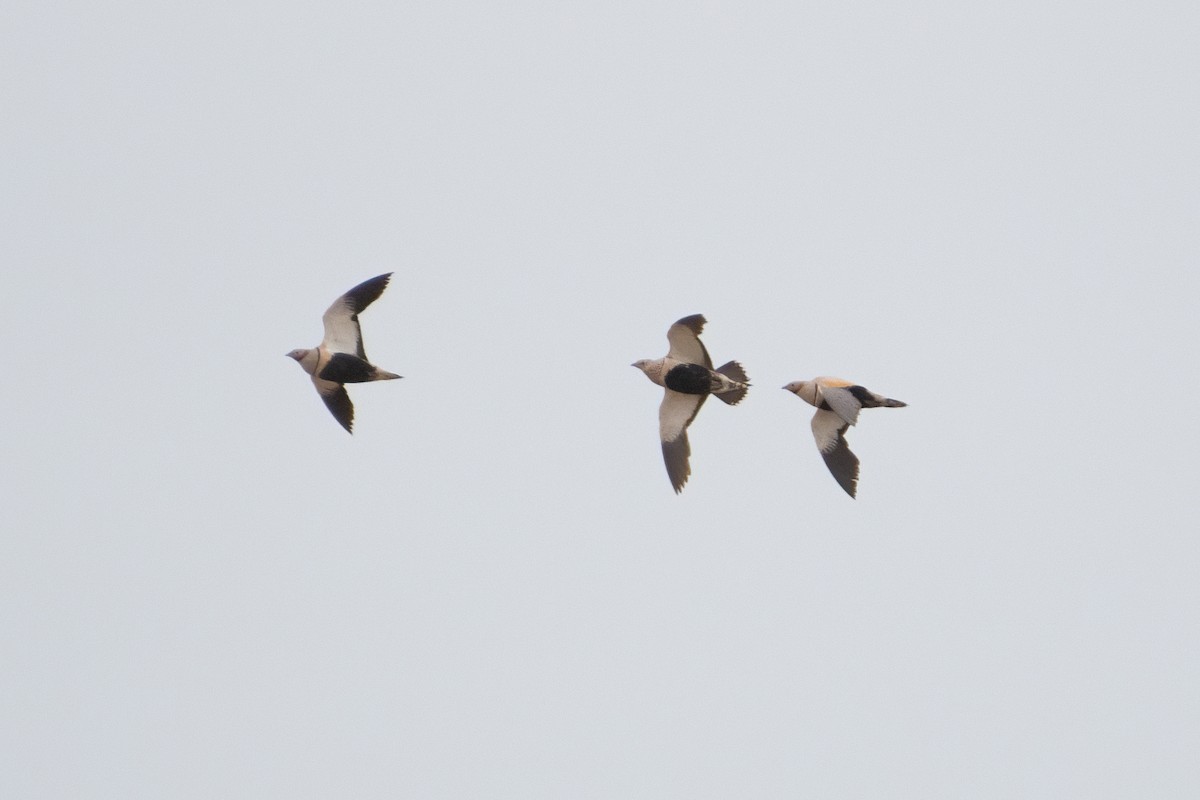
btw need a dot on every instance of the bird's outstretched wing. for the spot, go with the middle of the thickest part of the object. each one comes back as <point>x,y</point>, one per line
<point>829,430</point>
<point>674,416</point>
<point>342,331</point>
<point>686,346</point>
<point>337,400</point>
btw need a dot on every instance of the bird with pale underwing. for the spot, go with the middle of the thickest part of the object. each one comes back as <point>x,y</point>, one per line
<point>687,376</point>
<point>340,358</point>
<point>838,402</point>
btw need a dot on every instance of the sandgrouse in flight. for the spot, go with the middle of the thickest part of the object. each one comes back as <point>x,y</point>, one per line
<point>686,374</point>
<point>838,403</point>
<point>340,358</point>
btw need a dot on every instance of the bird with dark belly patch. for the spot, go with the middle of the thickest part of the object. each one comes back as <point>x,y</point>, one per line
<point>687,376</point>
<point>689,379</point>
<point>340,357</point>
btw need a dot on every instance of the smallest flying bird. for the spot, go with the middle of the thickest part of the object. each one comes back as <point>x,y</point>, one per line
<point>340,358</point>
<point>687,376</point>
<point>838,403</point>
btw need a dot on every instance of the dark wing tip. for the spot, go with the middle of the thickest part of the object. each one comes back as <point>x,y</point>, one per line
<point>366,292</point>
<point>338,403</point>
<point>676,455</point>
<point>694,323</point>
<point>843,464</point>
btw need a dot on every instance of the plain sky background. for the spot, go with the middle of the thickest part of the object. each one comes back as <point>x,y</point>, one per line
<point>490,591</point>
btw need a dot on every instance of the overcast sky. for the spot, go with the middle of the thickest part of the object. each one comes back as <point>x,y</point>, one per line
<point>988,211</point>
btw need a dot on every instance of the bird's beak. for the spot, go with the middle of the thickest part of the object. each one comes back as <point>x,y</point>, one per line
<point>634,365</point>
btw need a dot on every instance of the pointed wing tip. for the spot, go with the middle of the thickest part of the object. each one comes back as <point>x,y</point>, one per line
<point>693,322</point>
<point>365,293</point>
<point>337,400</point>
<point>677,458</point>
<point>829,433</point>
<point>843,466</point>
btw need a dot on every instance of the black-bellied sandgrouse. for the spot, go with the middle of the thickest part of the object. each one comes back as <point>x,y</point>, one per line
<point>686,374</point>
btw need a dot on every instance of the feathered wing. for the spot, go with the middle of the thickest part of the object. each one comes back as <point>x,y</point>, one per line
<point>686,346</point>
<point>342,331</point>
<point>337,400</point>
<point>674,416</point>
<point>829,430</point>
<point>843,402</point>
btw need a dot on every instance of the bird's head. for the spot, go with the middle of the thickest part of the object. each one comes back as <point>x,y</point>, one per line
<point>805,390</point>
<point>652,367</point>
<point>298,354</point>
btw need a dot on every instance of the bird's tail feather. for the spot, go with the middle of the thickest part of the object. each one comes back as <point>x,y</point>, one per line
<point>735,372</point>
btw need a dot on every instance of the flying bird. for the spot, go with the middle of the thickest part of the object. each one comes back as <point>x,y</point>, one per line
<point>838,403</point>
<point>340,358</point>
<point>686,374</point>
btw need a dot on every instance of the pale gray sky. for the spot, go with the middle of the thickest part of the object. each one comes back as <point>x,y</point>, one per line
<point>490,591</point>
